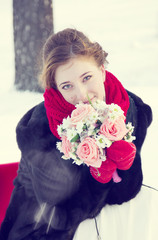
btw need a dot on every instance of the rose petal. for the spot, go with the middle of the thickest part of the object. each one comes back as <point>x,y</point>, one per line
<point>114,131</point>
<point>88,152</point>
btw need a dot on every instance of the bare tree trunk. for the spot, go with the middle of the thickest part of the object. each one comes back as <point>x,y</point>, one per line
<point>33,23</point>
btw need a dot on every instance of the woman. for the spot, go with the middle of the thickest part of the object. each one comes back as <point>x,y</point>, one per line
<point>52,196</point>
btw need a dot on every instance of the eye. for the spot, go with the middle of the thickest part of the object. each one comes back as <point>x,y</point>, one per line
<point>87,78</point>
<point>67,86</point>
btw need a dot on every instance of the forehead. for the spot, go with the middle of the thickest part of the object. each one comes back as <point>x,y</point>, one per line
<point>75,67</point>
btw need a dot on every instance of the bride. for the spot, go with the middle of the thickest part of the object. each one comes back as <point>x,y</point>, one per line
<point>103,198</point>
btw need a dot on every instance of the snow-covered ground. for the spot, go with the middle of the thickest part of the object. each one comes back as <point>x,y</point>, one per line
<point>127,30</point>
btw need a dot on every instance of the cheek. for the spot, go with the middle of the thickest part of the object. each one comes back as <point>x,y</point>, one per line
<point>69,98</point>
<point>101,90</point>
<point>102,78</point>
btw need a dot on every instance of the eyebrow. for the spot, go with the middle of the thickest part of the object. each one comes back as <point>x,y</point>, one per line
<point>63,83</point>
<point>82,75</point>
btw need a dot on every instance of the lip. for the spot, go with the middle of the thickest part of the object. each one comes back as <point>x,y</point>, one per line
<point>93,99</point>
<point>87,102</point>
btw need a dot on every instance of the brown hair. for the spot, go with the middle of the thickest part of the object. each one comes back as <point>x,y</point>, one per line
<point>61,47</point>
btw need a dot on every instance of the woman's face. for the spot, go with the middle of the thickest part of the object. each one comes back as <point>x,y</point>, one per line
<point>81,77</point>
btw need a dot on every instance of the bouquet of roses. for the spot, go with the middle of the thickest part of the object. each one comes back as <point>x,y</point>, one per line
<point>96,135</point>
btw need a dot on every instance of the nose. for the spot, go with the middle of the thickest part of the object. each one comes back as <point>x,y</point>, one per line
<point>81,93</point>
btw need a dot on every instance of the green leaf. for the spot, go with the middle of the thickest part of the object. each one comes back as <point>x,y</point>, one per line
<point>90,101</point>
<point>74,139</point>
<point>85,127</point>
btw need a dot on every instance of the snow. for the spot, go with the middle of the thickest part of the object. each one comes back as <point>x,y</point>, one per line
<point>127,30</point>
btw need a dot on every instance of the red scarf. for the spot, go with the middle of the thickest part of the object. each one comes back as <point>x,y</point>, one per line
<point>57,108</point>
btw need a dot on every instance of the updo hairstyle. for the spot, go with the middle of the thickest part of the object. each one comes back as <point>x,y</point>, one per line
<point>63,46</point>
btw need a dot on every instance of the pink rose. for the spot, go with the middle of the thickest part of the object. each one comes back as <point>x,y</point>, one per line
<point>115,130</point>
<point>66,146</point>
<point>88,152</point>
<point>81,112</point>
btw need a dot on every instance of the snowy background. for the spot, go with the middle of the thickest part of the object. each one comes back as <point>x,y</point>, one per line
<point>127,30</point>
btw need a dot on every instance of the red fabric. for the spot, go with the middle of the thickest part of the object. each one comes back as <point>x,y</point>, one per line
<point>115,92</point>
<point>7,174</point>
<point>105,172</point>
<point>120,155</point>
<point>58,108</point>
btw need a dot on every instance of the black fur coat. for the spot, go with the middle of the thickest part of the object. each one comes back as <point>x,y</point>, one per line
<point>51,195</point>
